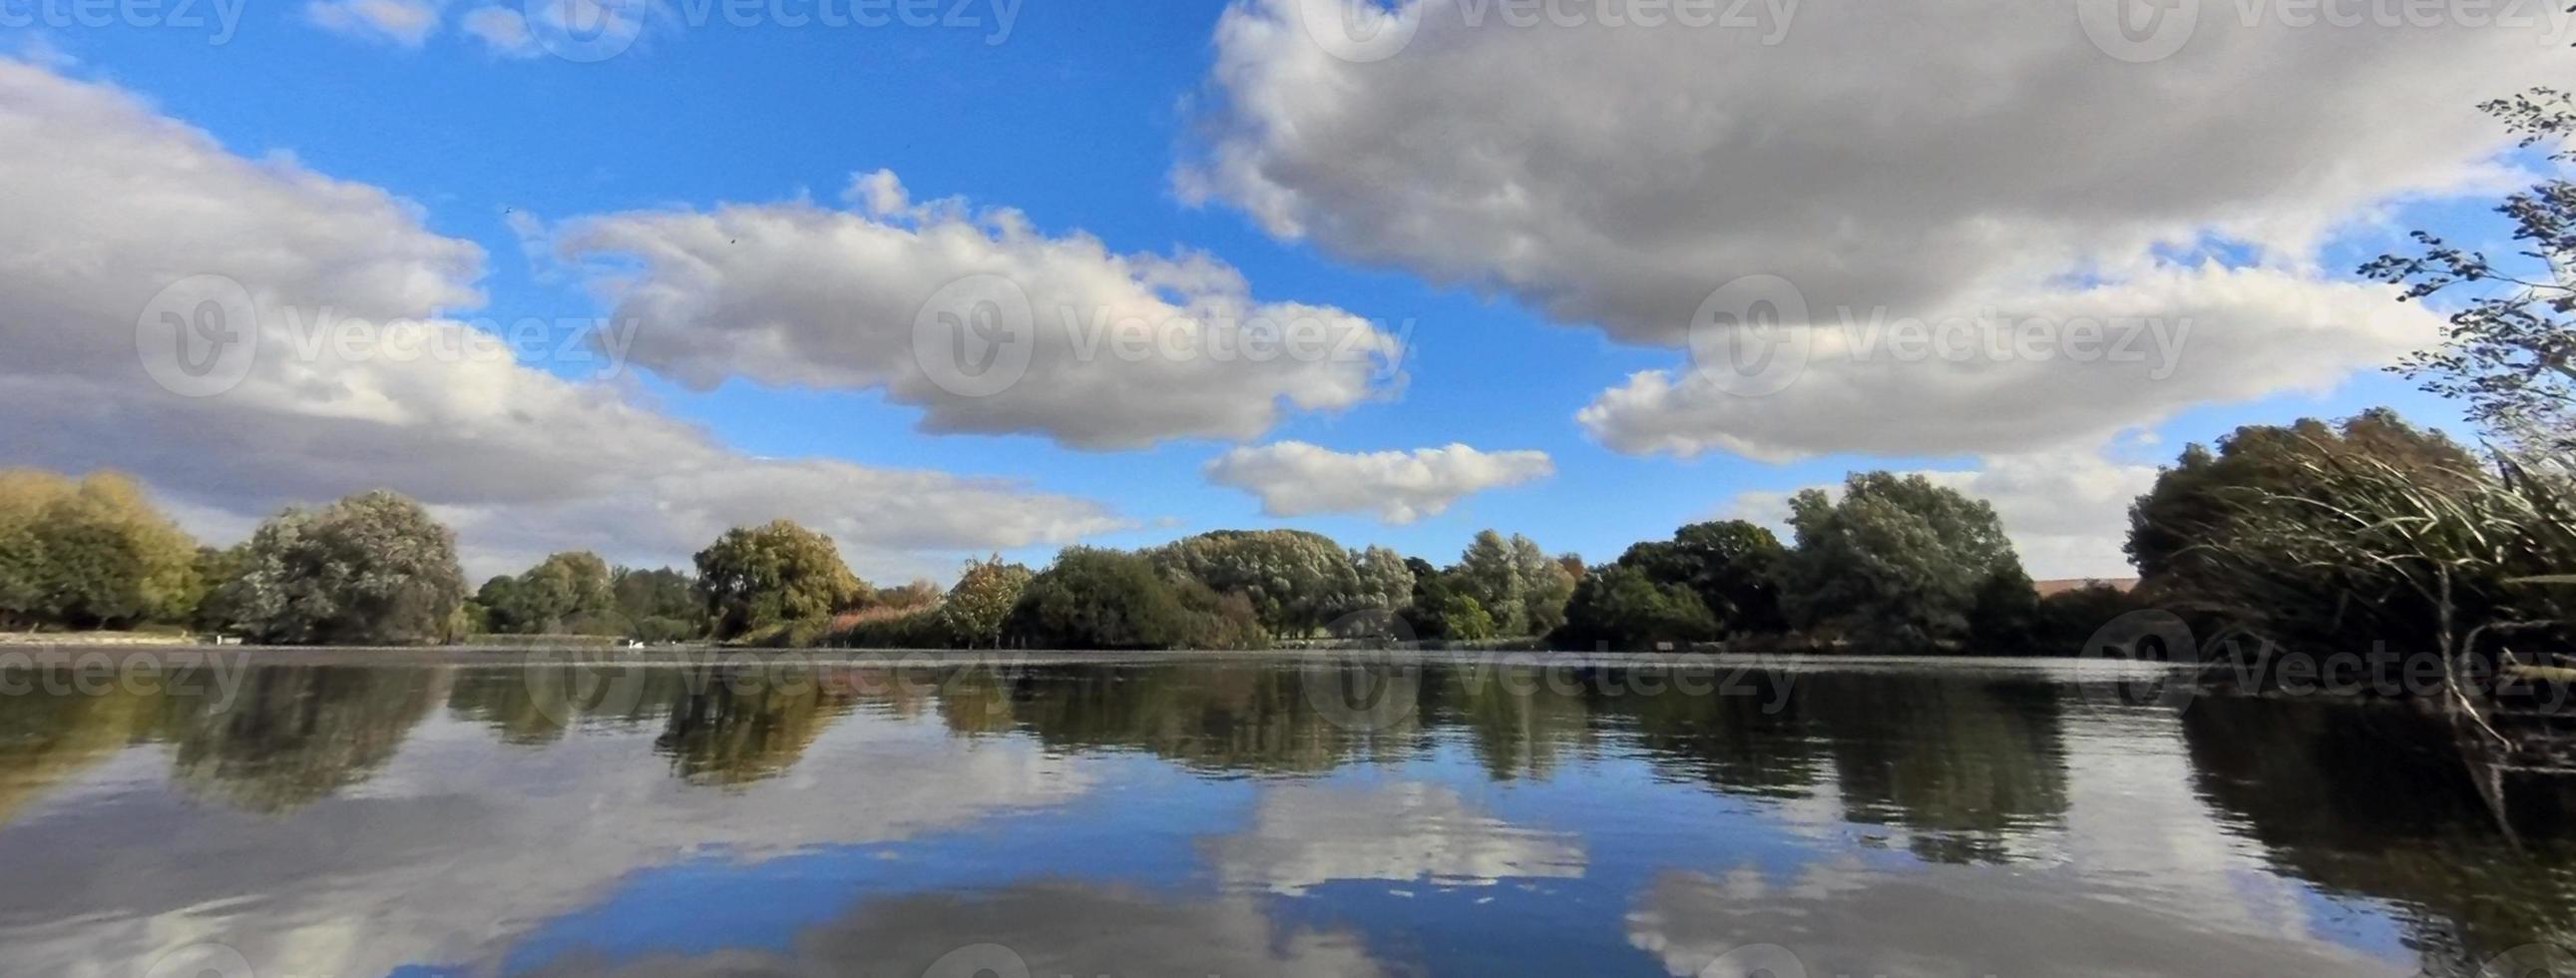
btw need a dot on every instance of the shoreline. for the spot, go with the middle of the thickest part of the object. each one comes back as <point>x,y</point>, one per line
<point>694,656</point>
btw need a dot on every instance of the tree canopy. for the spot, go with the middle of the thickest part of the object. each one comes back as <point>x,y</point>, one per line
<point>1896,562</point>
<point>371,569</point>
<point>775,574</point>
<point>1731,565</point>
<point>2510,354</point>
<point>90,553</point>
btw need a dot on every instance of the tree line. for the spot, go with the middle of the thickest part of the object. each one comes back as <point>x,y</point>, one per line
<point>1895,562</point>
<point>2314,534</point>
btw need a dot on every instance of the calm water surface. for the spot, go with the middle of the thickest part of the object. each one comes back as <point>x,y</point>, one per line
<point>1248,817</point>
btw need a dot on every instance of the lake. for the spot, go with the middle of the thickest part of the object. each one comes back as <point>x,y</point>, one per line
<point>1246,815</point>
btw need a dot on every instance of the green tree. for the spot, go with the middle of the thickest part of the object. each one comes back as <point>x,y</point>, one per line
<point>1896,563</point>
<point>2168,526</point>
<point>981,602</point>
<point>758,577</point>
<point>1385,581</point>
<point>91,553</point>
<point>1490,572</point>
<point>659,605</point>
<point>500,608</point>
<point>2365,538</point>
<point>1545,587</point>
<point>1092,598</point>
<point>2005,618</point>
<point>214,566</point>
<point>1463,619</point>
<point>1621,607</point>
<point>1732,565</point>
<point>1296,581</point>
<point>371,569</point>
<point>568,593</point>
<point>2511,350</point>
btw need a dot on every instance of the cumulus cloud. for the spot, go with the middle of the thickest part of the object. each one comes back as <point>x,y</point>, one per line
<point>114,216</point>
<point>984,323</point>
<point>2033,372</point>
<point>1294,478</point>
<point>1956,160</point>
<point>2067,511</point>
<point>405,22</point>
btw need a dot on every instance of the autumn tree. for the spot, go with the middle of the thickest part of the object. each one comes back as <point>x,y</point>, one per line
<point>90,553</point>
<point>981,602</point>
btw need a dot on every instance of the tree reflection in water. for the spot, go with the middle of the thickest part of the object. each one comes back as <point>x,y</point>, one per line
<point>1958,766</point>
<point>2375,802</point>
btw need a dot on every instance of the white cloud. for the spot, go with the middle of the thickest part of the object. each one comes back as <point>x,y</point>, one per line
<point>2025,373</point>
<point>1845,918</point>
<point>2067,512</point>
<point>503,30</point>
<point>1294,478</point>
<point>1304,836</point>
<point>1928,160</point>
<point>405,22</point>
<point>985,324</point>
<point>103,203</point>
<point>430,861</point>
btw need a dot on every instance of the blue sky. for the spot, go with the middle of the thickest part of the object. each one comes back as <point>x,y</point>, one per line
<point>1078,119</point>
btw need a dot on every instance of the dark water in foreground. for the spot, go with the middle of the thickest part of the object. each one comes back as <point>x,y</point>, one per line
<point>1247,818</point>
